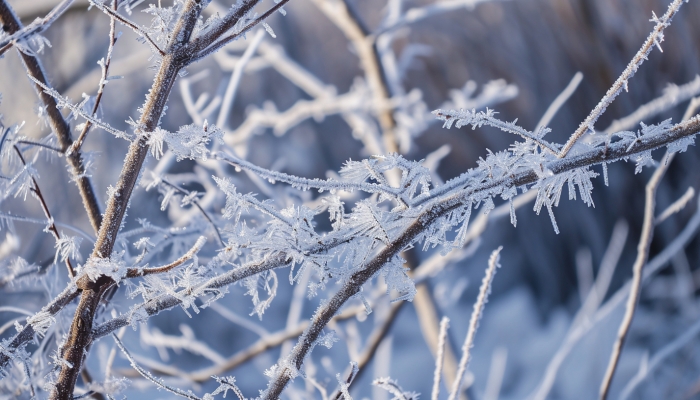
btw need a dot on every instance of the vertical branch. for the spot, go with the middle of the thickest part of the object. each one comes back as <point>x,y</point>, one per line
<point>481,300</point>
<point>79,334</point>
<point>59,125</point>
<point>642,257</point>
<point>349,23</point>
<point>103,81</point>
<point>444,324</point>
<point>45,208</point>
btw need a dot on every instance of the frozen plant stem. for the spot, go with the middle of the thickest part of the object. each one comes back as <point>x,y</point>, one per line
<point>58,124</point>
<point>79,333</point>
<point>444,324</point>
<point>481,300</point>
<point>103,81</point>
<point>45,208</point>
<point>642,257</point>
<point>655,38</point>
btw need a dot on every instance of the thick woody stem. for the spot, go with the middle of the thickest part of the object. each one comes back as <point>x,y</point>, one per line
<point>59,125</point>
<point>79,334</point>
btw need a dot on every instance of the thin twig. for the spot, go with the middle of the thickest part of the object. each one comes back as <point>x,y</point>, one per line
<point>444,324</point>
<point>113,14</point>
<point>103,81</point>
<point>136,272</point>
<point>47,213</point>
<point>199,207</point>
<point>38,144</point>
<point>642,257</point>
<point>559,101</point>
<point>148,376</point>
<point>235,79</point>
<point>226,40</point>
<point>484,292</point>
<point>59,125</point>
<point>677,206</point>
<point>654,38</point>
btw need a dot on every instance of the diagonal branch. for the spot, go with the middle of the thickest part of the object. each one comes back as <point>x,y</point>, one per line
<point>655,38</point>
<point>38,26</point>
<point>58,124</point>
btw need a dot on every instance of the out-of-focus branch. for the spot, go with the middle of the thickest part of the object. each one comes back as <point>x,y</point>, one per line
<point>38,26</point>
<point>484,292</point>
<point>642,257</point>
<point>58,124</point>
<point>341,15</point>
<point>673,95</point>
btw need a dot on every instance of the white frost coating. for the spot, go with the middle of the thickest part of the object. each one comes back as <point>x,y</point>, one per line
<point>68,247</point>
<point>114,267</point>
<point>41,322</point>
<point>190,141</point>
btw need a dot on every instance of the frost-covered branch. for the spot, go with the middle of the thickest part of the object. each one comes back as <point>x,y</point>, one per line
<point>478,119</point>
<point>139,31</point>
<point>59,125</point>
<point>104,65</point>
<point>137,272</point>
<point>484,292</point>
<point>642,257</point>
<point>654,39</point>
<point>51,226</point>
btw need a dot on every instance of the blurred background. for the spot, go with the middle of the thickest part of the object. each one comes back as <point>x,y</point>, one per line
<point>513,56</point>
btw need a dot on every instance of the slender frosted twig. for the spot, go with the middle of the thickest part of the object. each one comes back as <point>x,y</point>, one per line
<point>136,272</point>
<point>646,368</point>
<point>135,27</point>
<point>227,39</point>
<point>559,101</point>
<point>442,337</point>
<point>642,256</point>
<point>232,88</point>
<point>77,110</point>
<point>39,144</point>
<point>484,292</point>
<point>655,38</point>
<point>46,222</point>
<point>305,183</point>
<point>478,118</point>
<point>104,64</point>
<point>199,207</point>
<point>113,355</point>
<point>47,213</point>
<point>677,206</point>
<point>148,376</point>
